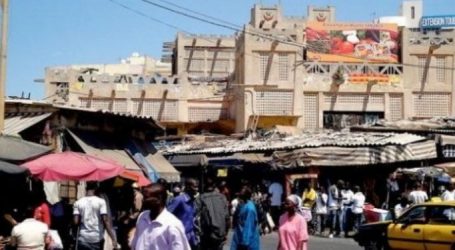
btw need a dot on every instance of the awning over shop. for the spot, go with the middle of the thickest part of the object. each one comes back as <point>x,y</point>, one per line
<point>7,168</point>
<point>134,156</point>
<point>448,167</point>
<point>15,149</point>
<point>118,155</point>
<point>188,160</point>
<point>239,159</point>
<point>354,156</point>
<point>156,164</point>
<point>16,123</point>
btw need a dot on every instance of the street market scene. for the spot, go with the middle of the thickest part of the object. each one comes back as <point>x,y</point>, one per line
<point>239,125</point>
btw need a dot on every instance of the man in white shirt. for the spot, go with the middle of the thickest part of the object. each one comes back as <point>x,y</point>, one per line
<point>276,198</point>
<point>321,209</point>
<point>346,202</point>
<point>418,196</point>
<point>449,194</point>
<point>91,218</point>
<point>156,228</point>
<point>358,201</point>
<point>30,234</point>
<point>401,207</point>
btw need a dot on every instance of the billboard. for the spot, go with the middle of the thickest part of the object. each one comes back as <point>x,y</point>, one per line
<point>352,42</point>
<point>437,22</point>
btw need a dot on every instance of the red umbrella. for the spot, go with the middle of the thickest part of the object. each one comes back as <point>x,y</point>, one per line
<point>136,176</point>
<point>72,166</point>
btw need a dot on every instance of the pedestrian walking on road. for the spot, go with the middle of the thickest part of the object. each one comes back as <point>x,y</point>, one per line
<point>321,210</point>
<point>333,205</point>
<point>183,207</point>
<point>358,202</point>
<point>246,226</point>
<point>276,198</point>
<point>30,234</point>
<point>157,228</point>
<point>213,217</point>
<point>293,232</point>
<point>91,218</point>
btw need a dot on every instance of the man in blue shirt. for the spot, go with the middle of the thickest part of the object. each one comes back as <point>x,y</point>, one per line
<point>246,226</point>
<point>183,207</point>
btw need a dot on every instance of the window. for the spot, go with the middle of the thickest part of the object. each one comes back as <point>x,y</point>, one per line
<point>440,69</point>
<point>283,66</point>
<point>263,64</point>
<point>416,214</point>
<point>413,12</point>
<point>442,215</point>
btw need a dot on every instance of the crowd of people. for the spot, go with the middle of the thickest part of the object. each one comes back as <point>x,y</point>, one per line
<point>159,216</point>
<point>162,217</point>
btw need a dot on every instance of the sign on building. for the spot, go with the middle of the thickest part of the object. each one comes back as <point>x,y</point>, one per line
<point>437,22</point>
<point>352,42</point>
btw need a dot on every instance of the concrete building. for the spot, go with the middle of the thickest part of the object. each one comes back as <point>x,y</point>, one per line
<point>181,103</point>
<point>310,72</point>
<point>278,83</point>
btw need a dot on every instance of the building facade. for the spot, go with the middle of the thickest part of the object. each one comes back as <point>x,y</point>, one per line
<point>282,80</point>
<point>311,72</point>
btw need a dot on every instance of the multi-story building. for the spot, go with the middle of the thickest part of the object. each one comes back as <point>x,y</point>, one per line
<point>317,73</point>
<point>311,72</point>
<point>182,103</point>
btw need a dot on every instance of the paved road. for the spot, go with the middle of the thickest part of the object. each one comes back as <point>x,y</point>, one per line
<point>270,241</point>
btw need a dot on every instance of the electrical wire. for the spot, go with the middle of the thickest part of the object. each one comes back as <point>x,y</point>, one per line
<point>264,35</point>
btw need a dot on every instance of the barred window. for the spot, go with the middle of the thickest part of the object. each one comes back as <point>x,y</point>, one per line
<point>440,69</point>
<point>283,66</point>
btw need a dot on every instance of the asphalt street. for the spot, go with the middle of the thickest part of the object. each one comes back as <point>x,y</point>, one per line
<point>270,241</point>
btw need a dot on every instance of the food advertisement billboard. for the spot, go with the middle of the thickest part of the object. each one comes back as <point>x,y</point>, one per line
<point>352,42</point>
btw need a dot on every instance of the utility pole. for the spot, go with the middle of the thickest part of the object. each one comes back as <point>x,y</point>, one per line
<point>3,50</point>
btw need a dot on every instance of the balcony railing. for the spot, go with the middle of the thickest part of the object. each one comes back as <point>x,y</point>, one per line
<point>325,68</point>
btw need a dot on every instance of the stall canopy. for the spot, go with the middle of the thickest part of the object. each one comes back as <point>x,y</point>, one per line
<point>14,149</point>
<point>7,168</point>
<point>132,154</point>
<point>72,166</point>
<point>101,149</point>
<point>354,156</point>
<point>327,148</point>
<point>155,163</point>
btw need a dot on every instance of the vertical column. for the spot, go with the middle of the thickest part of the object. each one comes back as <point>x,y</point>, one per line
<point>321,110</point>
<point>387,114</point>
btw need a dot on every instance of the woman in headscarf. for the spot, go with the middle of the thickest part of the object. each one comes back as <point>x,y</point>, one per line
<point>293,234</point>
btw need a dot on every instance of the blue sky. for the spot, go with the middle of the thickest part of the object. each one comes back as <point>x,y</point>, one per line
<point>58,32</point>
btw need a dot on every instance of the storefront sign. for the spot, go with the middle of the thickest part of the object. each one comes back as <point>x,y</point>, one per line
<point>352,42</point>
<point>437,22</point>
<point>377,78</point>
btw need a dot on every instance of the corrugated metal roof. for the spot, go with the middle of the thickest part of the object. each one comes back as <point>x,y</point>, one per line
<point>16,123</point>
<point>308,140</point>
<point>102,111</point>
<point>359,156</point>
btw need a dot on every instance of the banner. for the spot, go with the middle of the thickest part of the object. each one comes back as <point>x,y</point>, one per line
<point>352,42</point>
